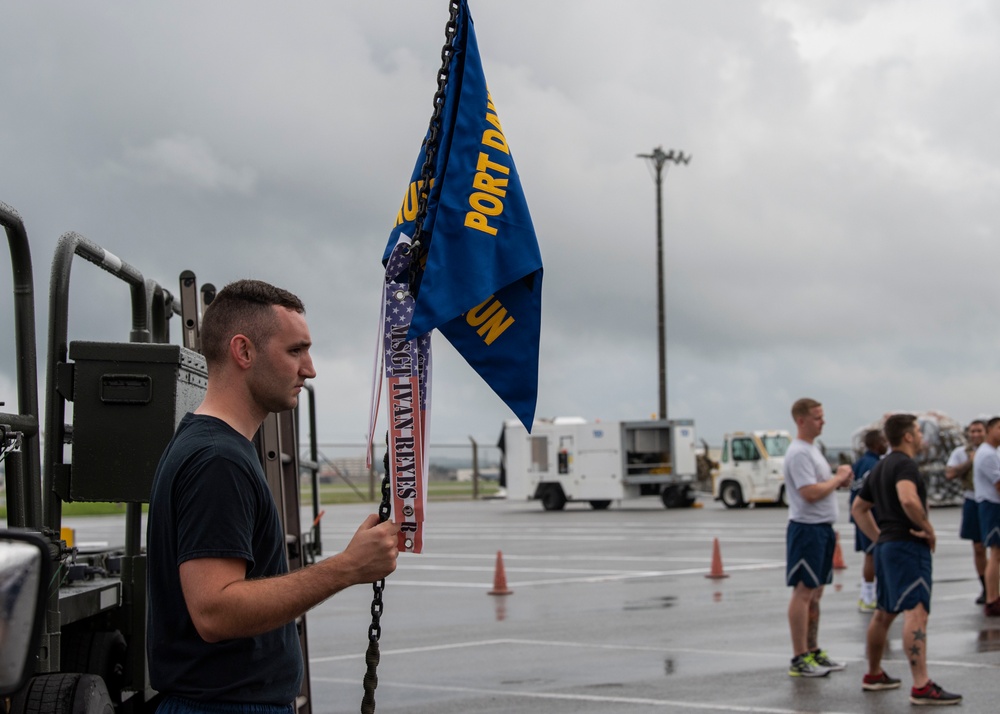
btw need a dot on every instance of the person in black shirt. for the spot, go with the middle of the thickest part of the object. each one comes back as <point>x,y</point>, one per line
<point>222,604</point>
<point>904,540</point>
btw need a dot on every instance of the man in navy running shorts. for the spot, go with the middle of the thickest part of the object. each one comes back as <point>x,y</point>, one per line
<point>986,481</point>
<point>875,448</point>
<point>959,467</point>
<point>810,541</point>
<point>904,540</point>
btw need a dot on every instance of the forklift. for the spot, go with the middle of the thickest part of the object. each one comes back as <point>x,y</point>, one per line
<point>127,399</point>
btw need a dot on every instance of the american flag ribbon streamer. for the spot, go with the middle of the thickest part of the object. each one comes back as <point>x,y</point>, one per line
<point>407,376</point>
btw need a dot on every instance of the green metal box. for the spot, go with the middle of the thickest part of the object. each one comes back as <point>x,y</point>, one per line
<point>128,398</point>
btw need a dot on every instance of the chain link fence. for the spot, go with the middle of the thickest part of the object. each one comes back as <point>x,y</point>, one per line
<point>342,468</point>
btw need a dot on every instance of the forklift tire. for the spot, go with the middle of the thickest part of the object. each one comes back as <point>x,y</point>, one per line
<point>63,693</point>
<point>731,495</point>
<point>677,497</point>
<point>101,653</point>
<point>553,498</point>
<point>600,505</point>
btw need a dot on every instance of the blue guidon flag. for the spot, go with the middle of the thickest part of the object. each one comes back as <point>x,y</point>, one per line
<point>481,282</point>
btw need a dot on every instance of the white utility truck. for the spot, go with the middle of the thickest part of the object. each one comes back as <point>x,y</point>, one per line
<point>570,459</point>
<point>751,468</point>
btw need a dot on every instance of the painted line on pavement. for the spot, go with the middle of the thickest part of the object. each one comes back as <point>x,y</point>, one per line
<point>742,655</point>
<point>590,698</point>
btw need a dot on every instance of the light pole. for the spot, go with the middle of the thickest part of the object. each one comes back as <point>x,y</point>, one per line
<point>657,159</point>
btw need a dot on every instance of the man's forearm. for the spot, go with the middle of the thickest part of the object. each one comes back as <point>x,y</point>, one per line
<point>817,491</point>
<point>918,516</point>
<point>224,605</point>
<point>866,522</point>
<point>954,472</point>
<point>861,512</point>
<point>246,608</point>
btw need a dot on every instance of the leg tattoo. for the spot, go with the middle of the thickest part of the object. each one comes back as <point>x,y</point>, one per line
<point>813,632</point>
<point>918,636</point>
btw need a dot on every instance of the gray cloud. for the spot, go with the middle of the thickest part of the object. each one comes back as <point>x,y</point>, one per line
<point>834,235</point>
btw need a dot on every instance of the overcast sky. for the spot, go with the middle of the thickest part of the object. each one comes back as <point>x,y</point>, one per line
<point>835,234</point>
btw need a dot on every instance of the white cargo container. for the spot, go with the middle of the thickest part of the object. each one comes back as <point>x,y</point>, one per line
<point>569,459</point>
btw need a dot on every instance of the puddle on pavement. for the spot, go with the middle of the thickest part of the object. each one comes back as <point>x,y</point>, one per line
<point>656,603</point>
<point>737,595</point>
<point>988,641</point>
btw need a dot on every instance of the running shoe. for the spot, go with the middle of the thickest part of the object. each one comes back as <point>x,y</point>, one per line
<point>806,666</point>
<point>821,658</point>
<point>867,607</point>
<point>932,694</point>
<point>992,609</point>
<point>878,682</point>
<point>981,600</point>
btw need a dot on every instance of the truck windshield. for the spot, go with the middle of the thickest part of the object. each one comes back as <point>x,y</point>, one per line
<point>775,445</point>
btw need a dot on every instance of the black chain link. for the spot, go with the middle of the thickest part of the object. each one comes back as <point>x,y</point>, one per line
<point>419,251</point>
<point>375,631</point>
<point>430,150</point>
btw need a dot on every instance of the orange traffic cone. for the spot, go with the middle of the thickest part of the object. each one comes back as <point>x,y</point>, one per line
<point>838,555</point>
<point>716,571</point>
<point>500,579</point>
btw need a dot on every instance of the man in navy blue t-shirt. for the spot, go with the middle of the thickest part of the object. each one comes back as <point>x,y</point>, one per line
<point>222,604</point>
<point>904,541</point>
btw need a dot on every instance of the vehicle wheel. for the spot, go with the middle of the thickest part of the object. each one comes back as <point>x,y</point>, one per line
<point>783,498</point>
<point>731,495</point>
<point>677,497</point>
<point>100,653</point>
<point>600,505</point>
<point>64,694</point>
<point>553,498</point>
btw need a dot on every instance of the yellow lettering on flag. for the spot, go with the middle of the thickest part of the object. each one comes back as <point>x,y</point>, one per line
<point>491,318</point>
<point>408,211</point>
<point>488,186</point>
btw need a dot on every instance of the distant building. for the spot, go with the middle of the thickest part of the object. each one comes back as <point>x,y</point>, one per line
<point>347,468</point>
<point>485,474</point>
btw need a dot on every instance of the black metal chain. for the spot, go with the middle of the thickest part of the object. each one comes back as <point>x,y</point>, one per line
<point>418,250</point>
<point>430,149</point>
<point>375,631</point>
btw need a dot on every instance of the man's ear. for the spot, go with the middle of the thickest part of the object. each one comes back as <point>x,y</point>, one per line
<point>242,351</point>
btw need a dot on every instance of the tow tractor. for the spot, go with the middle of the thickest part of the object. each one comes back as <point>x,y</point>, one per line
<point>751,469</point>
<point>127,399</point>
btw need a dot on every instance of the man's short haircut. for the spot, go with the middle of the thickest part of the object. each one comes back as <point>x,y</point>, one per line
<point>972,423</point>
<point>897,427</point>
<point>243,308</point>
<point>873,438</point>
<point>803,406</point>
<point>991,422</point>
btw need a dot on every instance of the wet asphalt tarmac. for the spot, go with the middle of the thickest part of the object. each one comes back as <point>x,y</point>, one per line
<point>611,612</point>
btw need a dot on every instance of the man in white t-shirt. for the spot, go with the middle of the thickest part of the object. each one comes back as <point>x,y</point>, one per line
<point>959,467</point>
<point>986,480</point>
<point>811,539</point>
